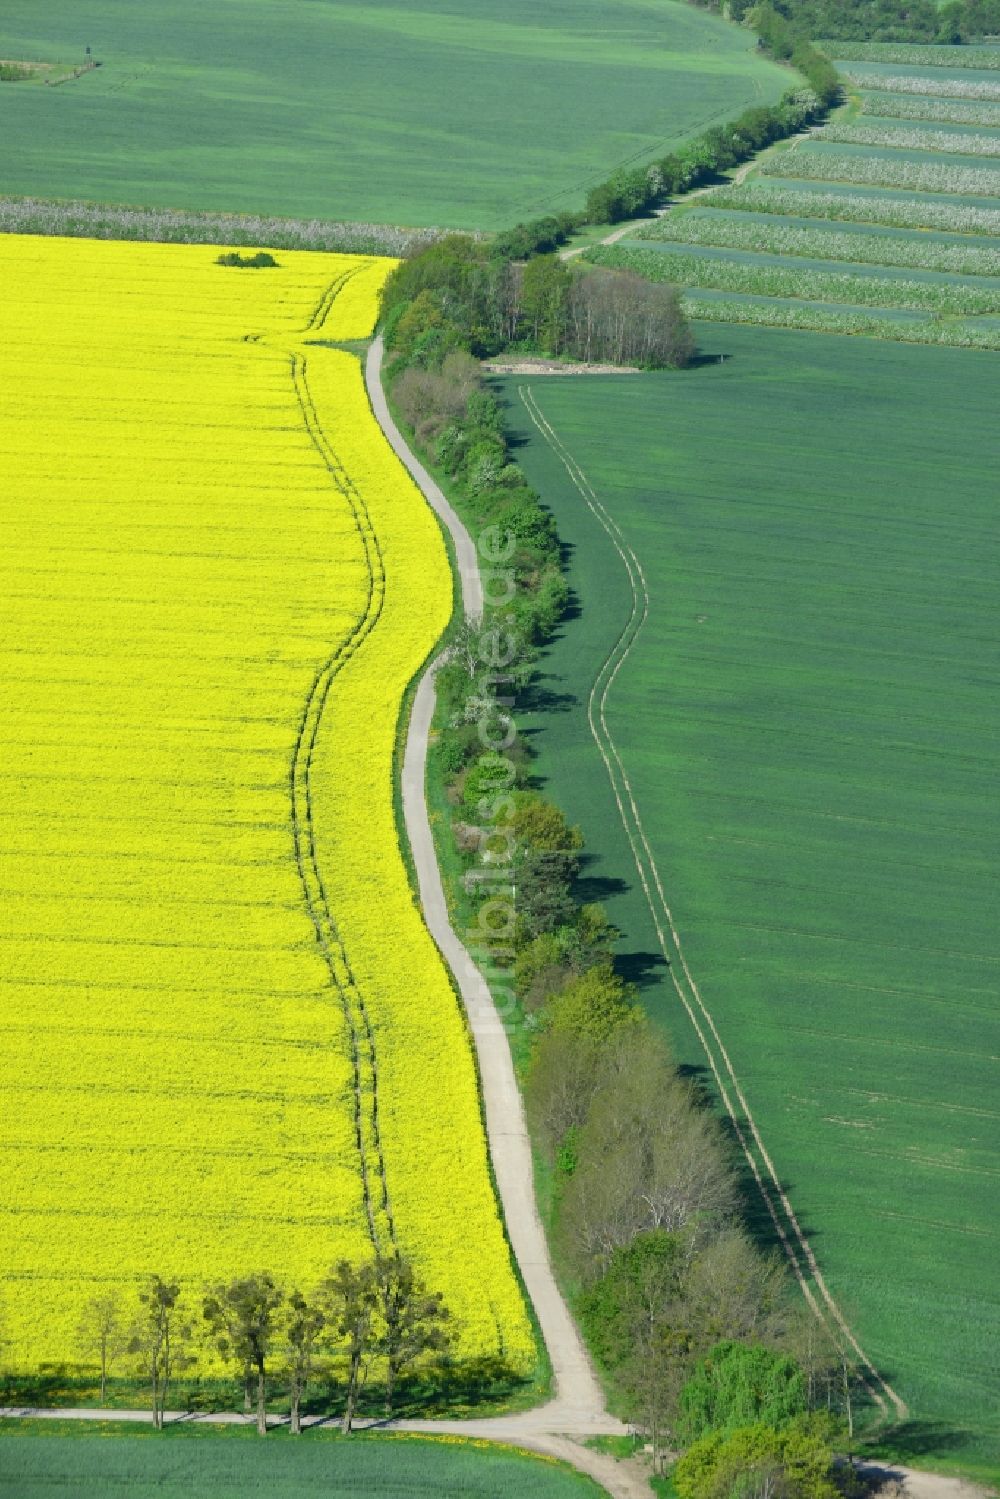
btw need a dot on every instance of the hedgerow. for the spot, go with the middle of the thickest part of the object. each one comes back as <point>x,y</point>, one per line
<point>904,139</point>
<point>914,54</point>
<point>799,282</point>
<point>897,213</point>
<point>885,171</point>
<point>947,111</point>
<point>912,83</point>
<point>177,226</point>
<point>773,237</point>
<point>724,146</point>
<point>765,314</point>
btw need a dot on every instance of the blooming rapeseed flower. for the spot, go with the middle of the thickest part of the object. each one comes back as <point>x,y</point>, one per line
<point>218,582</point>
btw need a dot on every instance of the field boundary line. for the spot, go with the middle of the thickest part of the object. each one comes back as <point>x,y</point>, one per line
<point>579,1401</point>
<point>602,685</point>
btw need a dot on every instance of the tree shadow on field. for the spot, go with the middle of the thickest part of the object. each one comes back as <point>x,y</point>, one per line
<point>642,969</point>
<point>574,607</point>
<point>590,887</point>
<point>755,1216</point>
<point>538,698</point>
<point>915,1439</point>
<point>705,361</point>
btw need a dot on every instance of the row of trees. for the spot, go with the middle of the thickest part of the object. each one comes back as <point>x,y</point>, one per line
<point>627,194</point>
<point>647,1216</point>
<point>358,1317</point>
<point>648,1207</point>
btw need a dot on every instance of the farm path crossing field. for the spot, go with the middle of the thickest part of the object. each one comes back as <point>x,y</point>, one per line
<point>217,583</point>
<point>804,720</point>
<point>414,112</point>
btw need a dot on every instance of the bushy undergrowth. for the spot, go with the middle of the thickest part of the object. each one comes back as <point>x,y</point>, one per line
<point>903,138</point>
<point>946,111</point>
<point>912,83</point>
<point>800,281</point>
<point>176,226</point>
<point>774,237</point>
<point>893,213</point>
<point>914,55</point>
<point>886,171</point>
<point>764,314</point>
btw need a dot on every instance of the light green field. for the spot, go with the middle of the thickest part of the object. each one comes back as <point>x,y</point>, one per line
<point>414,112</point>
<point>809,722</point>
<point>233,1463</point>
<point>895,179</point>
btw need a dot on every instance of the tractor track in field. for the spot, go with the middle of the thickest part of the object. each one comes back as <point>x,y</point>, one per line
<point>797,1248</point>
<point>363,1055</point>
<point>331,293</point>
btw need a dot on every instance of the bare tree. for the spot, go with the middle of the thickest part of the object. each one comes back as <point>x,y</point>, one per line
<point>102,1331</point>
<point>621,318</point>
<point>732,1290</point>
<point>560,1085</point>
<point>242,1319</point>
<point>650,1158</point>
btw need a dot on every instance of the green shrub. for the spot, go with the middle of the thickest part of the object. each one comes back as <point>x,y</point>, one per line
<point>262,260</point>
<point>594,1006</point>
<point>741,1384</point>
<point>796,1462</point>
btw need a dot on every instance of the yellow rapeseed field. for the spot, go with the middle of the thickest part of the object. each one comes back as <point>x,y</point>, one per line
<point>217,583</point>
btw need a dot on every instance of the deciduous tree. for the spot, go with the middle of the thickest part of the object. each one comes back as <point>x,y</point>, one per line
<point>301,1334</point>
<point>242,1317</point>
<point>161,1339</point>
<point>413,1321</point>
<point>741,1384</point>
<point>102,1332</point>
<point>350,1299</point>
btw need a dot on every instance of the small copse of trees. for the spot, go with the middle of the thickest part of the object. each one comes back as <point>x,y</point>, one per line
<point>460,296</point>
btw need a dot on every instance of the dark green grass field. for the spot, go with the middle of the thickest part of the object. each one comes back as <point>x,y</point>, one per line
<point>414,112</point>
<point>200,1464</point>
<point>809,721</point>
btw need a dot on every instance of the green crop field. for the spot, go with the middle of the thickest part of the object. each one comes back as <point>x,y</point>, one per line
<point>200,1464</point>
<point>808,721</point>
<point>414,113</point>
